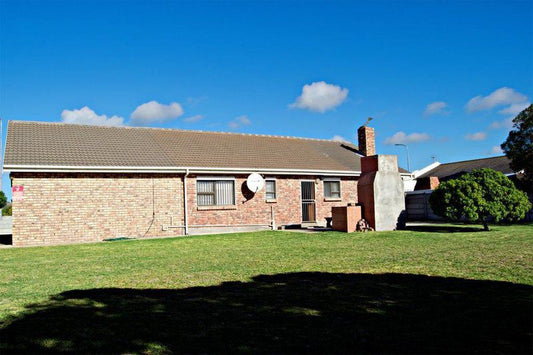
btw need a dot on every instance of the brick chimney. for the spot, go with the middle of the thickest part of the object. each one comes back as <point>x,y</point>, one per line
<point>367,143</point>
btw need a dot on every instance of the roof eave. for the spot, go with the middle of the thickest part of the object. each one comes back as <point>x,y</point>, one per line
<point>174,170</point>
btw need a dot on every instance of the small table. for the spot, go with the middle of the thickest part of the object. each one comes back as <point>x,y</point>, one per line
<point>328,222</point>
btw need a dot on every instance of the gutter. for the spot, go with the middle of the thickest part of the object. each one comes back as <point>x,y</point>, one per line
<point>174,170</point>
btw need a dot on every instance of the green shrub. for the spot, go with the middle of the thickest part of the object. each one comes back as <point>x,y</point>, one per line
<point>3,199</point>
<point>479,196</point>
<point>7,211</point>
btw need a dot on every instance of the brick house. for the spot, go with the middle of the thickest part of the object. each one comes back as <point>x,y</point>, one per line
<point>89,183</point>
<point>427,179</point>
<point>430,176</point>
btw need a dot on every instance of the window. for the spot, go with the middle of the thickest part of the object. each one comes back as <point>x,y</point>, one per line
<point>215,192</point>
<point>270,189</point>
<point>332,189</point>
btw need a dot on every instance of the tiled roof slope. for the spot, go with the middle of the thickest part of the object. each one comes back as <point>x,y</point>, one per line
<point>57,144</point>
<point>451,170</point>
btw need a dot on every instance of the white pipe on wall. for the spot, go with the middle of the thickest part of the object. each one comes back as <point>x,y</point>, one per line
<point>185,213</point>
<point>272,218</point>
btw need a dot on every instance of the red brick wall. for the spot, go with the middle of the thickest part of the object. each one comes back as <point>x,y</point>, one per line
<point>60,208</point>
<point>433,182</point>
<point>253,209</point>
<point>348,193</point>
<point>76,208</point>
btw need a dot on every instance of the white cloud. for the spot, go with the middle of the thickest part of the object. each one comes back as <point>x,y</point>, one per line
<point>507,124</point>
<point>515,109</point>
<point>478,136</point>
<point>340,139</point>
<point>512,110</point>
<point>496,150</point>
<point>436,107</point>
<point>402,138</point>
<point>501,97</point>
<point>153,111</point>
<point>320,97</point>
<point>87,116</point>
<point>240,121</point>
<point>192,119</point>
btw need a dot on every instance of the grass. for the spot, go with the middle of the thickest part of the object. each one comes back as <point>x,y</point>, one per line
<point>274,291</point>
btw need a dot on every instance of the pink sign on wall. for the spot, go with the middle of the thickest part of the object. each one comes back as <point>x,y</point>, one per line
<point>17,192</point>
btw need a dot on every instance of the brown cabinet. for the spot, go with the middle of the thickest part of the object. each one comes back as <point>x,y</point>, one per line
<point>345,218</point>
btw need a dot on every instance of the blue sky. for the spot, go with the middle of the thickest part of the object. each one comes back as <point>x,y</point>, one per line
<point>309,69</point>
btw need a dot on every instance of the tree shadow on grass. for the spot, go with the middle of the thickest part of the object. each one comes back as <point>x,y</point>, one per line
<point>297,312</point>
<point>436,228</point>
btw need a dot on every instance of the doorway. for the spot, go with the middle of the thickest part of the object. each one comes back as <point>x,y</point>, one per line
<point>308,201</point>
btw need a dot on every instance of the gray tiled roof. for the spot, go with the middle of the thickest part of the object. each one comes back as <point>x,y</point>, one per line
<point>57,144</point>
<point>452,170</point>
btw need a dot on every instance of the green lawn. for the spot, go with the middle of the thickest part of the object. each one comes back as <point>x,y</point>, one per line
<point>447,289</point>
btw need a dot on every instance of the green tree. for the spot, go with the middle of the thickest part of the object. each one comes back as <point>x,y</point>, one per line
<point>479,196</point>
<point>3,199</point>
<point>519,146</point>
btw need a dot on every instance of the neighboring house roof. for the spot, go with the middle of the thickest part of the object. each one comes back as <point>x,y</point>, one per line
<point>451,170</point>
<point>33,146</point>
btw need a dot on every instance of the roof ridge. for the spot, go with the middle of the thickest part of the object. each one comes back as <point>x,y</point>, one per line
<point>176,129</point>
<point>464,161</point>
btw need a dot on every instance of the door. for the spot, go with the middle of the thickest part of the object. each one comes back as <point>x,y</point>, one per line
<point>308,201</point>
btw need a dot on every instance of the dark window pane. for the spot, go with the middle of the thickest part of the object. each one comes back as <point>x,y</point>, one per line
<point>332,189</point>
<point>215,192</point>
<point>270,189</point>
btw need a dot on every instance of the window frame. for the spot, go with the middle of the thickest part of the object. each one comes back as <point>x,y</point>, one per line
<point>275,189</point>
<point>329,181</point>
<point>213,180</point>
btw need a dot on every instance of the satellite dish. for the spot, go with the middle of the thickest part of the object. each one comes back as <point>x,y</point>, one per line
<point>255,182</point>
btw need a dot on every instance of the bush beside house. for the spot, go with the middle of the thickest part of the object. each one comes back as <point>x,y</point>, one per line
<point>3,199</point>
<point>480,196</point>
<point>7,210</point>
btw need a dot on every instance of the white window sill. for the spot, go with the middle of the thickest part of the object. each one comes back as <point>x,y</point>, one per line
<point>271,201</point>
<point>332,199</point>
<point>210,208</point>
